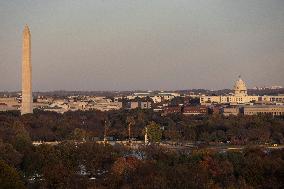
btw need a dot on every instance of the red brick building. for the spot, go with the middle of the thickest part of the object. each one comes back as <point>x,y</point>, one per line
<point>195,110</point>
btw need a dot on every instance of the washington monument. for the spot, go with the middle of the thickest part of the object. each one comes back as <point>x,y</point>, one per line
<point>27,99</point>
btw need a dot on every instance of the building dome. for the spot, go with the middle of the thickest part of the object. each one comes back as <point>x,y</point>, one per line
<point>240,87</point>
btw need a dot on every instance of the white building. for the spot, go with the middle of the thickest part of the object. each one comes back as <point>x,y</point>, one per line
<point>264,109</point>
<point>157,97</point>
<point>240,96</point>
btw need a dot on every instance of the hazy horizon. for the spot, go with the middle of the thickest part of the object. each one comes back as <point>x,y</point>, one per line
<point>110,45</point>
<point>135,90</point>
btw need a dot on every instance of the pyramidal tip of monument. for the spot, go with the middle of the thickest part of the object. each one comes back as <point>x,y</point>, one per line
<point>26,28</point>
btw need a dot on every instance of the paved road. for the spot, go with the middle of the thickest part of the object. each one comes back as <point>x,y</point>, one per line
<point>136,144</point>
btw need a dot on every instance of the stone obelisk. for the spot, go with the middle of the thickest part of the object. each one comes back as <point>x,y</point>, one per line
<point>27,99</point>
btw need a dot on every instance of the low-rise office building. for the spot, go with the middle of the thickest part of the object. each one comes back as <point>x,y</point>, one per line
<point>263,109</point>
<point>227,111</point>
<point>145,105</point>
<point>171,110</point>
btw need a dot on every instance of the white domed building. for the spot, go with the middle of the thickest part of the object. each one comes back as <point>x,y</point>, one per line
<point>240,96</point>
<point>240,88</point>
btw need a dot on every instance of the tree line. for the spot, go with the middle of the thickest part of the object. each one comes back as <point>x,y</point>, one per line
<point>51,126</point>
<point>77,164</point>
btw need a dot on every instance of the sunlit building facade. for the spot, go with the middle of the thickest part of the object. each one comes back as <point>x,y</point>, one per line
<point>240,96</point>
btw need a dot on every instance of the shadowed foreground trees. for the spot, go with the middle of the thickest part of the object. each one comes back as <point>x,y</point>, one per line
<point>9,177</point>
<point>91,165</point>
<point>83,163</point>
<point>163,169</point>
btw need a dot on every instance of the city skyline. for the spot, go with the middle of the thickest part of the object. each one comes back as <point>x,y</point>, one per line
<point>178,47</point>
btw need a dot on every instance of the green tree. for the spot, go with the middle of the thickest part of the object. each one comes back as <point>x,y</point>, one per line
<point>95,156</point>
<point>154,132</point>
<point>131,122</point>
<point>57,176</point>
<point>10,155</point>
<point>80,134</point>
<point>21,139</point>
<point>9,177</point>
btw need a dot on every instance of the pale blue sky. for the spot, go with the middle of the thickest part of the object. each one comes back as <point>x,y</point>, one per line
<point>143,44</point>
